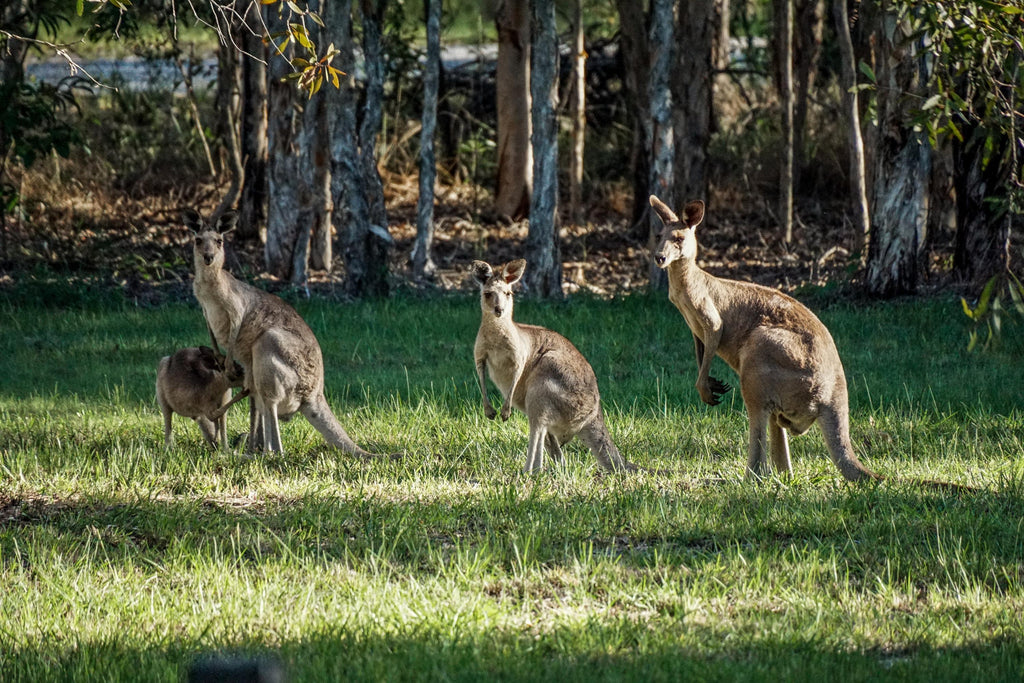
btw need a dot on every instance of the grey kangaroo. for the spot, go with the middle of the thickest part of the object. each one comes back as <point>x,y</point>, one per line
<point>789,369</point>
<point>539,372</point>
<point>284,368</point>
<point>192,382</point>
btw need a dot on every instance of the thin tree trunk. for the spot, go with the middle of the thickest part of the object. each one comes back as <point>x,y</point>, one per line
<point>515,155</point>
<point>691,81</point>
<point>902,160</point>
<point>579,113</point>
<point>544,274</point>
<point>252,201</point>
<point>809,18</point>
<point>659,134</point>
<point>422,263</point>
<point>321,251</point>
<point>786,73</point>
<point>633,43</point>
<point>855,142</point>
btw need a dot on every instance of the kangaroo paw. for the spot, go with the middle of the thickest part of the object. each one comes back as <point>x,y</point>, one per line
<point>718,389</point>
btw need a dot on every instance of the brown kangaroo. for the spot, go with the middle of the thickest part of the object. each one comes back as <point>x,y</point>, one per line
<point>283,363</point>
<point>192,383</point>
<point>539,372</point>
<point>789,369</point>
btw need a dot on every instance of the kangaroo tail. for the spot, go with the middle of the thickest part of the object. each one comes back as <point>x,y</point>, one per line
<point>835,426</point>
<point>320,416</point>
<point>595,436</point>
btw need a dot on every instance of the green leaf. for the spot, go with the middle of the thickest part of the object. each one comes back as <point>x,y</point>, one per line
<point>80,7</point>
<point>295,8</point>
<point>967,308</point>
<point>866,69</point>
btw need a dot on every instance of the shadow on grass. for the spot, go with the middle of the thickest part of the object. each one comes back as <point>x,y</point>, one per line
<point>902,533</point>
<point>595,652</point>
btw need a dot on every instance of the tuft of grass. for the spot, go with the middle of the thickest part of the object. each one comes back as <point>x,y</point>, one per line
<point>121,560</point>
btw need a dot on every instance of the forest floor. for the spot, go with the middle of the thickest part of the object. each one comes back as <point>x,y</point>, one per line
<point>73,228</point>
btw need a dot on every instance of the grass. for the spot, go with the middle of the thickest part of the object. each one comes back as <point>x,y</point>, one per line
<point>123,561</point>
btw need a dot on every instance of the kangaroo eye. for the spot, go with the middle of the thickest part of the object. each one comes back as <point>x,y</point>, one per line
<point>220,241</point>
<point>488,295</point>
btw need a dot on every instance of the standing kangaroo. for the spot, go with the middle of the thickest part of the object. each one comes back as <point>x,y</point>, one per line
<point>789,369</point>
<point>192,382</point>
<point>539,372</point>
<point>284,368</point>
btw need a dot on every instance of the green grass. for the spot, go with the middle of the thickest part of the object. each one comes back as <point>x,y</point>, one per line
<point>121,561</point>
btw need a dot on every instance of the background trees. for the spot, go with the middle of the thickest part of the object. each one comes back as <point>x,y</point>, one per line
<point>685,106</point>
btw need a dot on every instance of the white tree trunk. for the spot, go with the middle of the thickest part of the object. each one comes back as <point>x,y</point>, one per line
<point>422,263</point>
<point>659,136</point>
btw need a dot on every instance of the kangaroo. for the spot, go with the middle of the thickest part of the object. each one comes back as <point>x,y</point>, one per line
<point>539,372</point>
<point>192,382</point>
<point>789,368</point>
<point>284,368</point>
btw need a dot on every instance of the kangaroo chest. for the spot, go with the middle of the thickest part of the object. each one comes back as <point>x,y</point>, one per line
<point>222,311</point>
<point>505,352</point>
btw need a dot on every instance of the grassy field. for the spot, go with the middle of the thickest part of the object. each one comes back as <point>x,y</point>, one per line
<point>121,561</point>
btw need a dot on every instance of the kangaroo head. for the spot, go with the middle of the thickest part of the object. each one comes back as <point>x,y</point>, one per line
<point>678,239</point>
<point>496,286</point>
<point>208,247</point>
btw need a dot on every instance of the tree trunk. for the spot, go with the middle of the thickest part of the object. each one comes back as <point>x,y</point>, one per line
<point>252,201</point>
<point>691,81</point>
<point>633,42</point>
<point>658,132</point>
<point>902,160</point>
<point>785,31</point>
<point>289,215</point>
<point>369,129</point>
<point>855,143</point>
<point>515,156</point>
<point>544,274</point>
<point>579,113</point>
<point>809,29</point>
<point>983,227</point>
<point>364,249</point>
<point>321,251</point>
<point>422,263</point>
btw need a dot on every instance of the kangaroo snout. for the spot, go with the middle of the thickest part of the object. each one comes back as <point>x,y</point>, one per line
<point>660,259</point>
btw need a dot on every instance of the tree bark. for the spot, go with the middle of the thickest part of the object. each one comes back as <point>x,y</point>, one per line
<point>364,248</point>
<point>902,161</point>
<point>982,247</point>
<point>636,51</point>
<point>252,201</point>
<point>544,274</point>
<point>515,155</point>
<point>658,131</point>
<point>855,142</point>
<point>691,84</point>
<point>289,215</point>
<point>422,264</point>
<point>578,106</point>
<point>369,129</point>
<point>785,31</point>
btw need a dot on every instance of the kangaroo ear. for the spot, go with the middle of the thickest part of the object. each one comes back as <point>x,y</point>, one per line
<point>481,272</point>
<point>192,220</point>
<point>693,213</point>
<point>513,270</point>
<point>227,222</point>
<point>664,213</point>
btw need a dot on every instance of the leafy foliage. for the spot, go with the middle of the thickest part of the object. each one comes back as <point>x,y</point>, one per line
<point>1003,294</point>
<point>978,79</point>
